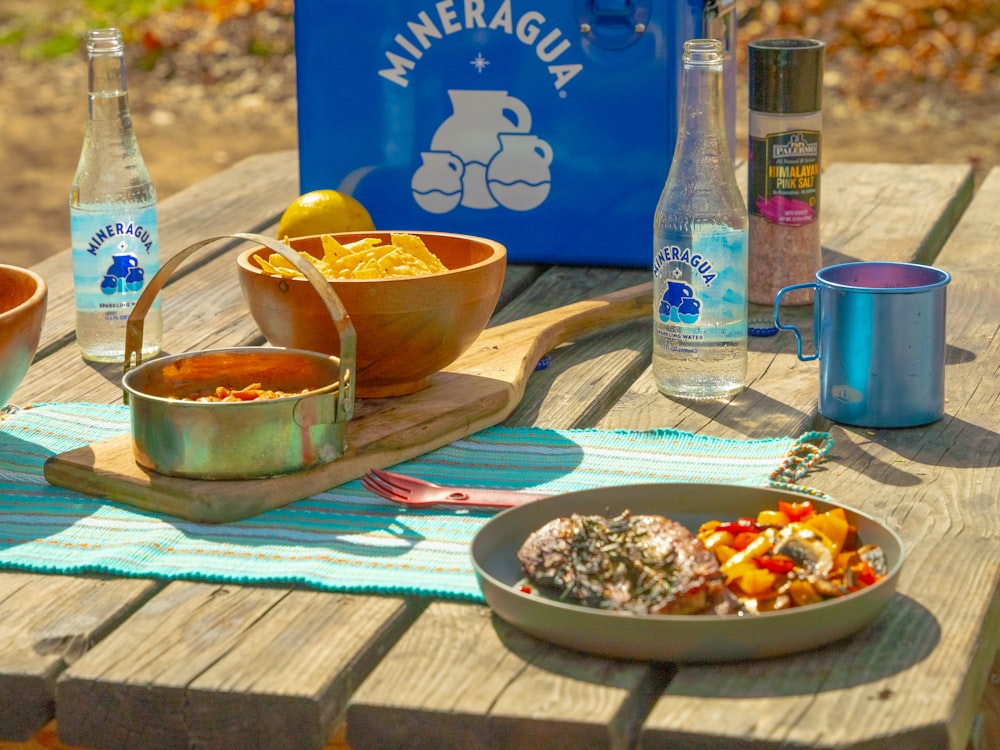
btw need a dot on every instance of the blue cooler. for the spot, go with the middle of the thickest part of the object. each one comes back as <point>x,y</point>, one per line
<point>546,125</point>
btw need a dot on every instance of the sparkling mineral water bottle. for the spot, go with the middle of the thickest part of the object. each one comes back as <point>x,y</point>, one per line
<point>700,246</point>
<point>112,209</point>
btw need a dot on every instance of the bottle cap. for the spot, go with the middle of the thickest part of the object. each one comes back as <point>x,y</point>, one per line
<point>786,75</point>
<point>105,42</point>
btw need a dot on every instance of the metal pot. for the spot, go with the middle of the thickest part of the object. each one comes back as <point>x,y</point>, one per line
<point>239,440</point>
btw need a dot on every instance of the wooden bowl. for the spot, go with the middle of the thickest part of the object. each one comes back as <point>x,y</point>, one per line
<point>407,328</point>
<point>23,296</point>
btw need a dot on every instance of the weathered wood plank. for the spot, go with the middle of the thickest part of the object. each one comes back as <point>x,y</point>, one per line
<point>47,623</point>
<point>462,646</point>
<point>69,378</point>
<point>986,732</point>
<point>227,666</point>
<point>972,250</point>
<point>878,211</point>
<point>938,486</point>
<point>896,697</point>
<point>461,678</point>
<point>247,197</point>
<point>973,244</point>
<point>602,707</point>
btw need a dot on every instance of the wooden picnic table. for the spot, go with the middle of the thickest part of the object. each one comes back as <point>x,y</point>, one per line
<point>280,667</point>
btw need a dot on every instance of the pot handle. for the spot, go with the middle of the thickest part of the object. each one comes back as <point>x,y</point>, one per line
<point>338,313</point>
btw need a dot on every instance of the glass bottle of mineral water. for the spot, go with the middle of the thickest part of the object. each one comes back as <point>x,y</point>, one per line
<point>112,209</point>
<point>700,246</point>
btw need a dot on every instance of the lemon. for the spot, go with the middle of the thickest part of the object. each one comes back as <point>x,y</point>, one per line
<point>323,212</point>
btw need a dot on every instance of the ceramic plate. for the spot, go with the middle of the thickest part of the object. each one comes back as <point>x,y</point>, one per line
<point>676,638</point>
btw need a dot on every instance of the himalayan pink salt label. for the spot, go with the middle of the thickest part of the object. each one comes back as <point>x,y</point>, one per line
<point>784,177</point>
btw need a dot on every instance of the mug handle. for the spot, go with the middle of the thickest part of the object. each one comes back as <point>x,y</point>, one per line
<point>793,328</point>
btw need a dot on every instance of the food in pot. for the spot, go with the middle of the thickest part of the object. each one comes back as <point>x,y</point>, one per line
<point>636,564</point>
<point>253,392</point>
<point>405,255</point>
<point>789,557</point>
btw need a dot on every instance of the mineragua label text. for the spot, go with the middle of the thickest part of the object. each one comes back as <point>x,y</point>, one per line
<point>447,17</point>
<point>119,229</point>
<point>699,264</point>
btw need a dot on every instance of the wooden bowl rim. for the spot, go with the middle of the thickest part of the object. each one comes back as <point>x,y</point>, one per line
<point>36,298</point>
<point>498,252</point>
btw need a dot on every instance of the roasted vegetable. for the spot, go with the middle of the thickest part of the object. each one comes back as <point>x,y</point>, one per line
<point>792,556</point>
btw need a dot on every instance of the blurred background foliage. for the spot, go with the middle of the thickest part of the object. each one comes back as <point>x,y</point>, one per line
<point>890,43</point>
<point>157,25</point>
<point>881,48</point>
<point>42,34</point>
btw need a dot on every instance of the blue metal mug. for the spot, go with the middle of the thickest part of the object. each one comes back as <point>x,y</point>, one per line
<point>880,339</point>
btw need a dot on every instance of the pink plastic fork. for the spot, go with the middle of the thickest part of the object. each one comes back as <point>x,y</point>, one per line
<point>410,491</point>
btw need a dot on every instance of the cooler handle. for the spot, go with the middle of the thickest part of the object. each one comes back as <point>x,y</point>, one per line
<point>612,24</point>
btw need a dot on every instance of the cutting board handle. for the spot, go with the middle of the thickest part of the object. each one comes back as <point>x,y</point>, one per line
<point>563,323</point>
<point>534,336</point>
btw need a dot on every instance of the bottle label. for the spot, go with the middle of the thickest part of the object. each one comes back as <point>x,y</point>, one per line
<point>114,253</point>
<point>784,177</point>
<point>700,289</point>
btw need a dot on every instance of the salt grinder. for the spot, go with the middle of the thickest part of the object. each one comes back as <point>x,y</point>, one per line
<point>785,145</point>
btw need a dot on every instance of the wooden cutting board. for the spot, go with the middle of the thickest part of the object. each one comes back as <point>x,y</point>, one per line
<point>480,389</point>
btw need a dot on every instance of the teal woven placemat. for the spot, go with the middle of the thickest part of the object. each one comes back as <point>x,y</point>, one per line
<point>345,539</point>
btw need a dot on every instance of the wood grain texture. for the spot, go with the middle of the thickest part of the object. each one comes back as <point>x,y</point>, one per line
<point>459,678</point>
<point>478,390</point>
<point>711,707</point>
<point>462,678</point>
<point>877,211</point>
<point>45,628</point>
<point>970,256</point>
<point>986,733</point>
<point>224,666</point>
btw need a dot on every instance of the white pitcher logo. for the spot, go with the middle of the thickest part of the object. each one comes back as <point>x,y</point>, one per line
<point>482,156</point>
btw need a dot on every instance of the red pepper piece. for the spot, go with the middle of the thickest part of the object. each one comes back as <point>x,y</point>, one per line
<point>796,511</point>
<point>865,574</point>
<point>775,563</point>
<point>740,526</point>
<point>742,540</point>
